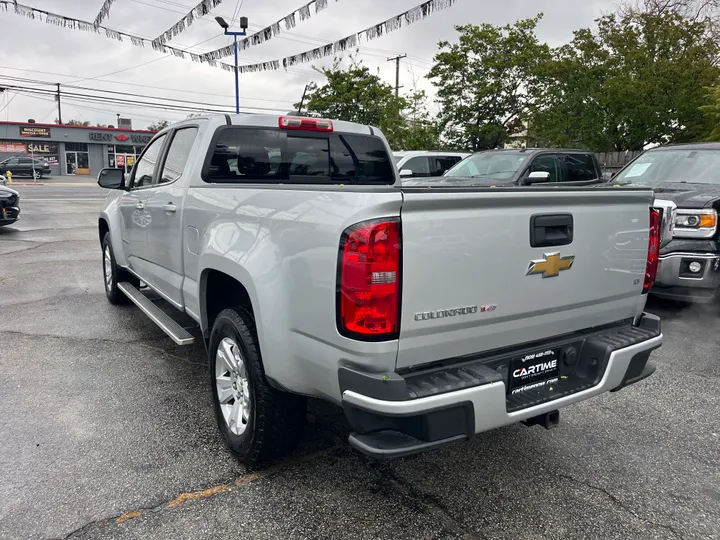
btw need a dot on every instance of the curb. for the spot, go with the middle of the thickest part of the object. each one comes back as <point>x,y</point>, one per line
<point>62,184</point>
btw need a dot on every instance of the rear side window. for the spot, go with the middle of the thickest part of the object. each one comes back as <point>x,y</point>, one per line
<point>444,163</point>
<point>580,167</point>
<point>178,154</point>
<point>250,155</point>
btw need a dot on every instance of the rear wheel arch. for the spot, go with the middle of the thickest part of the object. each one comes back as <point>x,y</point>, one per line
<point>219,291</point>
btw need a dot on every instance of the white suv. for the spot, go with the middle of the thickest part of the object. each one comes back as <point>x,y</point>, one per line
<point>414,164</point>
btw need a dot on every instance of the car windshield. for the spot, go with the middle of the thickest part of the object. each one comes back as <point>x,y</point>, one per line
<point>674,166</point>
<point>500,165</point>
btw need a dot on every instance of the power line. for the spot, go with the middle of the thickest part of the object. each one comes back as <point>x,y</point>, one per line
<point>20,79</point>
<point>47,83</point>
<point>161,103</point>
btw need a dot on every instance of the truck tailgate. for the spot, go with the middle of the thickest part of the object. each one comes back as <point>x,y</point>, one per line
<point>472,282</point>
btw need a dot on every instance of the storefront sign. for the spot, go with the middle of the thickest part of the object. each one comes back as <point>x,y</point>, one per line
<point>142,139</point>
<point>34,132</point>
<point>100,137</point>
<point>120,160</point>
<point>97,136</point>
<point>34,148</point>
<point>12,148</point>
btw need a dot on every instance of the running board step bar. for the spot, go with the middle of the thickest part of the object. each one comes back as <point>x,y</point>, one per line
<point>176,332</point>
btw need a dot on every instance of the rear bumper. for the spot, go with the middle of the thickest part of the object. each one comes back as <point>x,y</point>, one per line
<point>675,281</point>
<point>386,428</point>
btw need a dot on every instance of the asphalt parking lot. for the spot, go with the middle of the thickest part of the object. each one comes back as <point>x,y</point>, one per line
<point>106,431</point>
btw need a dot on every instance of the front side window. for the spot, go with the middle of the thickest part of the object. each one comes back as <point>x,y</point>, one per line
<point>178,154</point>
<point>549,164</point>
<point>279,156</point>
<point>673,166</point>
<point>418,165</point>
<point>144,169</point>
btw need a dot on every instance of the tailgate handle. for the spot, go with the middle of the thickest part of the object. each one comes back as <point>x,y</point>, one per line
<point>551,230</point>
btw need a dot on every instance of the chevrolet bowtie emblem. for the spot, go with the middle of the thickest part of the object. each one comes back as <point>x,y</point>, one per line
<point>550,265</point>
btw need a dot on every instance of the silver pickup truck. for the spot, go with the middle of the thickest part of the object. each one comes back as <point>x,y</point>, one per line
<point>428,314</point>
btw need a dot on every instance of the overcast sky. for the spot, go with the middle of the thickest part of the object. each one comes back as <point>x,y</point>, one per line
<point>41,51</point>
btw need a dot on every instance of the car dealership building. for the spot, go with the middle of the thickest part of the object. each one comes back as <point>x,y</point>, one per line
<point>73,150</point>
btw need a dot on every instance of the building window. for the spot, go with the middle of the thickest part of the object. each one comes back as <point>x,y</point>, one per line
<point>76,147</point>
<point>77,159</point>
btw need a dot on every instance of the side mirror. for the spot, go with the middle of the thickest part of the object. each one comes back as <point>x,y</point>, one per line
<point>537,177</point>
<point>405,173</point>
<point>111,178</point>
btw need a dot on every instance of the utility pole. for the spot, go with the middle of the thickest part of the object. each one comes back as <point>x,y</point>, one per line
<point>397,59</point>
<point>57,97</point>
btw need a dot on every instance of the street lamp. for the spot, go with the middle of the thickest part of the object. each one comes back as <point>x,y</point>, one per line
<point>225,26</point>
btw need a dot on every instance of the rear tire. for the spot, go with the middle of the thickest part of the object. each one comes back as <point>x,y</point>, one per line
<point>257,422</point>
<point>112,275</point>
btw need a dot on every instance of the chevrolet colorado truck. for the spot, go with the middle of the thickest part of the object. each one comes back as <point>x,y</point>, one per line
<point>689,176</point>
<point>428,314</point>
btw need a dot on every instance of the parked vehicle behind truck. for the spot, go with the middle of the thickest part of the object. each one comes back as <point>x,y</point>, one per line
<point>429,315</point>
<point>526,166</point>
<point>689,176</point>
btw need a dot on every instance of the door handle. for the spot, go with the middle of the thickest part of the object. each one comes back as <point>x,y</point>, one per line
<point>169,208</point>
<point>140,205</point>
<point>548,230</point>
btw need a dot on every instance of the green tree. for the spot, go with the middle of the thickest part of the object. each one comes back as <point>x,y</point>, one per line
<point>83,123</point>
<point>356,95</point>
<point>158,125</point>
<point>421,130</point>
<point>712,113</point>
<point>639,78</point>
<point>487,81</point>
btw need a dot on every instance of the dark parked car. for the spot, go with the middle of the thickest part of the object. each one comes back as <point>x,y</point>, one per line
<point>689,176</point>
<point>525,166</point>
<point>9,206</point>
<point>25,166</point>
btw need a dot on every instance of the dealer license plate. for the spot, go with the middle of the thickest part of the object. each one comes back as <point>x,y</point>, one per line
<point>535,371</point>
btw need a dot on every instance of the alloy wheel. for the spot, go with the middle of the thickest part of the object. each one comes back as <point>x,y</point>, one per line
<point>233,385</point>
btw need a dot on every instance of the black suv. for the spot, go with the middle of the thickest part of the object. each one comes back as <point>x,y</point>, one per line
<point>526,166</point>
<point>25,166</point>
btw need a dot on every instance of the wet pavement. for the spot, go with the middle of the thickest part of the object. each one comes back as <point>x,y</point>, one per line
<point>107,431</point>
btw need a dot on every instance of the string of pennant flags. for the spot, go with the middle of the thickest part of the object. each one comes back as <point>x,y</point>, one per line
<point>104,11</point>
<point>392,24</point>
<point>202,9</point>
<point>269,32</point>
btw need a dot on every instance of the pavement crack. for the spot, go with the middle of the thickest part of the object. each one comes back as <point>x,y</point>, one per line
<point>415,498</point>
<point>184,497</point>
<point>71,338</point>
<point>617,502</point>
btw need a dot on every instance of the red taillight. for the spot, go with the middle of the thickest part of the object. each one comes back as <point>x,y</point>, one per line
<point>306,124</point>
<point>653,249</point>
<point>369,280</point>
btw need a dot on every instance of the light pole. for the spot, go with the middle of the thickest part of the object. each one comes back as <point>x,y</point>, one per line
<point>225,26</point>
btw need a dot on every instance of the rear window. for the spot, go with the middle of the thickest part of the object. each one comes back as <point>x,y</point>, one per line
<point>250,155</point>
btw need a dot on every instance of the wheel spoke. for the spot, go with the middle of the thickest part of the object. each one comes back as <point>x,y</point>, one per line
<point>225,390</point>
<point>226,347</point>
<point>234,415</point>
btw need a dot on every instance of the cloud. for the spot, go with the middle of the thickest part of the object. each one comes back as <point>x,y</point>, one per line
<point>61,55</point>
